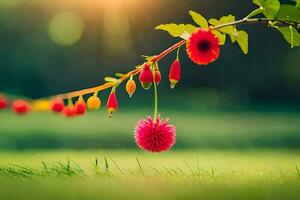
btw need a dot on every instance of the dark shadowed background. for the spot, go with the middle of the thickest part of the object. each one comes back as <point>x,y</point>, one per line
<point>115,34</point>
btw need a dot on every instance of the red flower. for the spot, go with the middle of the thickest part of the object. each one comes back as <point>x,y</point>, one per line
<point>69,111</point>
<point>157,76</point>
<point>146,76</point>
<point>3,102</point>
<point>175,73</point>
<point>155,136</point>
<point>112,103</point>
<point>20,106</point>
<point>80,107</point>
<point>203,47</point>
<point>57,105</point>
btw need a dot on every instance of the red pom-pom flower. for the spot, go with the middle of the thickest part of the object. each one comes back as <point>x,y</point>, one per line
<point>203,47</point>
<point>155,136</point>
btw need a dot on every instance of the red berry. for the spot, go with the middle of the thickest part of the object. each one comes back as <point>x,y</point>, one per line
<point>146,76</point>
<point>80,107</point>
<point>112,103</point>
<point>3,102</point>
<point>157,76</point>
<point>57,105</point>
<point>20,106</point>
<point>69,111</point>
<point>175,73</point>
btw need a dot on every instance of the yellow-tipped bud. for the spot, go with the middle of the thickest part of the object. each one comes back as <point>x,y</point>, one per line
<point>130,87</point>
<point>173,83</point>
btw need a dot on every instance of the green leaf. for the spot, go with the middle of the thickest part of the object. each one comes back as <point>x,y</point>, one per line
<point>199,19</point>
<point>270,7</point>
<point>119,75</point>
<point>224,20</point>
<point>291,35</point>
<point>221,36</point>
<point>178,30</point>
<point>255,12</point>
<point>173,29</point>
<point>288,12</point>
<point>242,40</point>
<point>110,79</point>
<point>298,4</point>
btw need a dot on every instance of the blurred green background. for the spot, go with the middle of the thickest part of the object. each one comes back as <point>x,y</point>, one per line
<point>55,46</point>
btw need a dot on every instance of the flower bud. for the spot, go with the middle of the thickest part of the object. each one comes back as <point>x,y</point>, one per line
<point>157,76</point>
<point>175,73</point>
<point>3,102</point>
<point>112,103</point>
<point>69,111</point>
<point>146,77</point>
<point>130,87</point>
<point>57,105</point>
<point>80,106</point>
<point>94,102</point>
<point>20,106</point>
<point>41,105</point>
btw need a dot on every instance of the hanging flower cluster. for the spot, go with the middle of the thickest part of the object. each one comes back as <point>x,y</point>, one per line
<point>202,44</point>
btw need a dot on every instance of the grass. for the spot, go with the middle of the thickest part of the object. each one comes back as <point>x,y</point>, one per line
<point>260,174</point>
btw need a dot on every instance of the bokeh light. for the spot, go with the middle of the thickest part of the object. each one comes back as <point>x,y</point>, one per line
<point>10,3</point>
<point>66,28</point>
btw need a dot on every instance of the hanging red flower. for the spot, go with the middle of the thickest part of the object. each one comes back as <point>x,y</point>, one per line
<point>157,76</point>
<point>112,103</point>
<point>146,76</point>
<point>203,47</point>
<point>57,105</point>
<point>69,111</point>
<point>175,73</point>
<point>80,106</point>
<point>20,106</point>
<point>3,102</point>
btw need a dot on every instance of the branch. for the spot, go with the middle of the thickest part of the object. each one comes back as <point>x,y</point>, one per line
<point>168,51</point>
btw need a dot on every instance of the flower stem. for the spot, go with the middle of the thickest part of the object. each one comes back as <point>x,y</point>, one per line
<point>155,97</point>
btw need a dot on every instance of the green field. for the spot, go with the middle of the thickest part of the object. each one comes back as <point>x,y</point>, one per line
<point>218,155</point>
<point>195,130</point>
<point>124,174</point>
